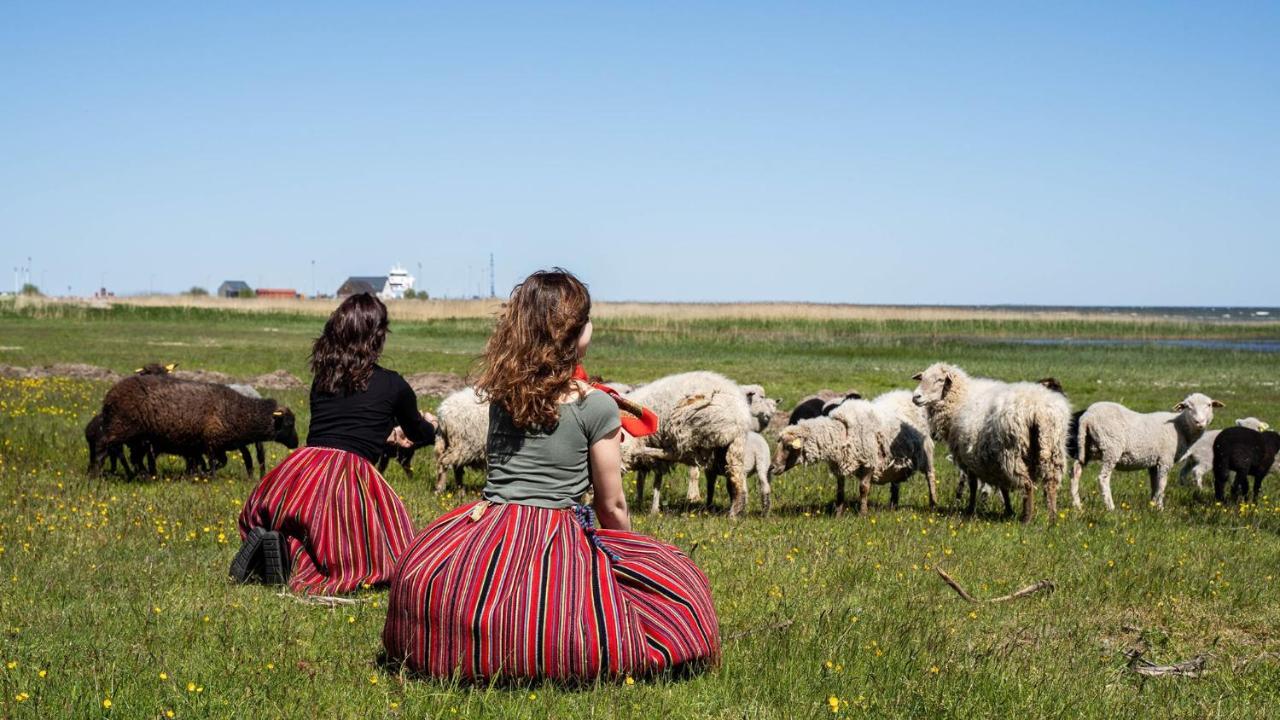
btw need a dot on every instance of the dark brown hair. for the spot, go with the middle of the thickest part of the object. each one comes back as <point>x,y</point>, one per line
<point>342,358</point>
<point>529,360</point>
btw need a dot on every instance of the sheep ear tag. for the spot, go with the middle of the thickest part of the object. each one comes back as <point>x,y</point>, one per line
<point>170,367</point>
<point>278,413</point>
<point>137,371</point>
<point>795,443</point>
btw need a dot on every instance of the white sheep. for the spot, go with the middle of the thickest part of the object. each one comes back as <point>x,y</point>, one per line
<point>1128,440</point>
<point>704,420</point>
<point>1197,461</point>
<point>462,436</point>
<point>762,408</point>
<point>880,441</point>
<point>1008,435</point>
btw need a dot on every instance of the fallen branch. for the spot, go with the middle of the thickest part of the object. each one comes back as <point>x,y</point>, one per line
<point>324,600</point>
<point>1192,668</point>
<point>751,631</point>
<point>1024,592</point>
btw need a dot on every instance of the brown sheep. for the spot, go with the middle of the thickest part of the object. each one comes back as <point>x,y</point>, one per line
<point>189,417</point>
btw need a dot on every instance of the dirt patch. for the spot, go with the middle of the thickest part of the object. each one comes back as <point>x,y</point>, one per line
<point>439,384</point>
<point>212,376</point>
<point>277,380</point>
<point>78,371</point>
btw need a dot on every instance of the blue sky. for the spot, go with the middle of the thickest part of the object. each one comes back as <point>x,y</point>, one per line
<point>1066,153</point>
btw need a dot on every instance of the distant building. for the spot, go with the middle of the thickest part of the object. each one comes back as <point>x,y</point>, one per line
<point>288,293</point>
<point>399,281</point>
<point>233,288</point>
<point>363,284</point>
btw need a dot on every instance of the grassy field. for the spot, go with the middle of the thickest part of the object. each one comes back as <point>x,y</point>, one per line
<point>115,600</point>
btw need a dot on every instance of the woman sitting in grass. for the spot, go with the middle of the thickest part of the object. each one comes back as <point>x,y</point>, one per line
<point>520,584</point>
<point>324,520</point>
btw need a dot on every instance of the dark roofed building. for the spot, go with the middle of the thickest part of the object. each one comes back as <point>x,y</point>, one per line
<point>234,288</point>
<point>355,285</point>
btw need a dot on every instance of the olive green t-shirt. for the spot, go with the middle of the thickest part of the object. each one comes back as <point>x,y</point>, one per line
<point>547,468</point>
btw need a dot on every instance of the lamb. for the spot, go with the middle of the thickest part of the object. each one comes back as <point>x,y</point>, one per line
<point>1197,461</point>
<point>462,437</point>
<point>1247,453</point>
<point>757,463</point>
<point>705,420</point>
<point>1011,436</point>
<point>763,408</point>
<point>191,417</point>
<point>817,406</point>
<point>402,455</point>
<point>1128,440</point>
<point>880,441</point>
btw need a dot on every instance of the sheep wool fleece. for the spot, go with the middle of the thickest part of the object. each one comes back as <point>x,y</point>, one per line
<point>344,525</point>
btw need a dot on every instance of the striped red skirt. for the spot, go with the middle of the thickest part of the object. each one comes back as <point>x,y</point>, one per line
<point>527,593</point>
<point>344,525</point>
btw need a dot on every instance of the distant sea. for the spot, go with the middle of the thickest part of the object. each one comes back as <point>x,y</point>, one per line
<point>1233,314</point>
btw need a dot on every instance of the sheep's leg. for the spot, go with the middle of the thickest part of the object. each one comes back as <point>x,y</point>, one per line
<point>656,504</point>
<point>1184,474</point>
<point>641,476</point>
<point>406,463</point>
<point>864,492</point>
<point>736,473</point>
<point>1197,475</point>
<point>1257,487</point>
<point>1159,481</point>
<point>933,487</point>
<point>442,475</point>
<point>766,490</point>
<point>893,495</point>
<point>1008,506</point>
<point>711,487</point>
<point>1028,501</point>
<point>1220,486</point>
<point>692,494</point>
<point>839,494</point>
<point>458,474</point>
<point>1104,482</point>
<point>973,496</point>
<point>248,461</point>
<point>961,481</point>
<point>1076,472</point>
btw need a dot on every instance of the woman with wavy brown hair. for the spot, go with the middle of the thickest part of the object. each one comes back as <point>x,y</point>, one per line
<point>324,520</point>
<point>521,584</point>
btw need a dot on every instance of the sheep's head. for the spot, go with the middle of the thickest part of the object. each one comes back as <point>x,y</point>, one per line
<point>790,449</point>
<point>283,429</point>
<point>1197,408</point>
<point>1253,423</point>
<point>1052,384</point>
<point>935,383</point>
<point>762,407</point>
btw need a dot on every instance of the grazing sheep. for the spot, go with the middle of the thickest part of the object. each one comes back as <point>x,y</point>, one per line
<point>191,417</point>
<point>1247,453</point>
<point>817,406</point>
<point>763,408</point>
<point>703,415</point>
<point>462,436</point>
<point>880,441</point>
<point>250,392</point>
<point>1197,461</point>
<point>402,455</point>
<point>1008,435</point>
<point>757,463</point>
<point>140,451</point>
<point>1128,440</point>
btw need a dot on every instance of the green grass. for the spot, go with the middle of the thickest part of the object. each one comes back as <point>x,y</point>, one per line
<point>104,585</point>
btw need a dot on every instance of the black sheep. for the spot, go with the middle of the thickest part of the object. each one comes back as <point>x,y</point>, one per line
<point>817,407</point>
<point>402,455</point>
<point>191,418</point>
<point>1247,453</point>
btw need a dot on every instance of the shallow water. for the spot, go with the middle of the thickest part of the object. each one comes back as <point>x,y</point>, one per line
<point>1266,346</point>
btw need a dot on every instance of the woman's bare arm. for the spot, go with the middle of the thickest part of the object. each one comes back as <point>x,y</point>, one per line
<point>605,459</point>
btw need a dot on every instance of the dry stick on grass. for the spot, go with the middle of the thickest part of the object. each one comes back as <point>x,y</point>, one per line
<point>325,600</point>
<point>1024,592</point>
<point>1192,668</point>
<point>751,631</point>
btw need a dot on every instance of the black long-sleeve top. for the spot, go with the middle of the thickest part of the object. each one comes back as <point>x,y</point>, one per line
<point>360,422</point>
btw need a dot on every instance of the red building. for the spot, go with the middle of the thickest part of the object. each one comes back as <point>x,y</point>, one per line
<point>289,293</point>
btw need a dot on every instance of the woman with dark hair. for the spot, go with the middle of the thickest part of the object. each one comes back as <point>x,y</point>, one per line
<point>521,585</point>
<point>324,520</point>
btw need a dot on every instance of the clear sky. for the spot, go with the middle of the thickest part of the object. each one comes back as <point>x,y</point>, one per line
<point>1066,153</point>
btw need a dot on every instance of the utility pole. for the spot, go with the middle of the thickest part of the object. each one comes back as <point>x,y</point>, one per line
<point>313,278</point>
<point>492,292</point>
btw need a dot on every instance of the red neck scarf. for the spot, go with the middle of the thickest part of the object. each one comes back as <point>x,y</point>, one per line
<point>637,421</point>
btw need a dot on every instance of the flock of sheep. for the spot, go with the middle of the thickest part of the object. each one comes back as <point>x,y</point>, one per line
<point>1001,436</point>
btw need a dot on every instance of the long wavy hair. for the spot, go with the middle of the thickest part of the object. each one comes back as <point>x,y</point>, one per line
<point>342,358</point>
<point>529,360</point>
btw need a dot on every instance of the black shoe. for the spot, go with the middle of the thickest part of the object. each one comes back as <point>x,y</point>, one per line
<point>274,557</point>
<point>245,562</point>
